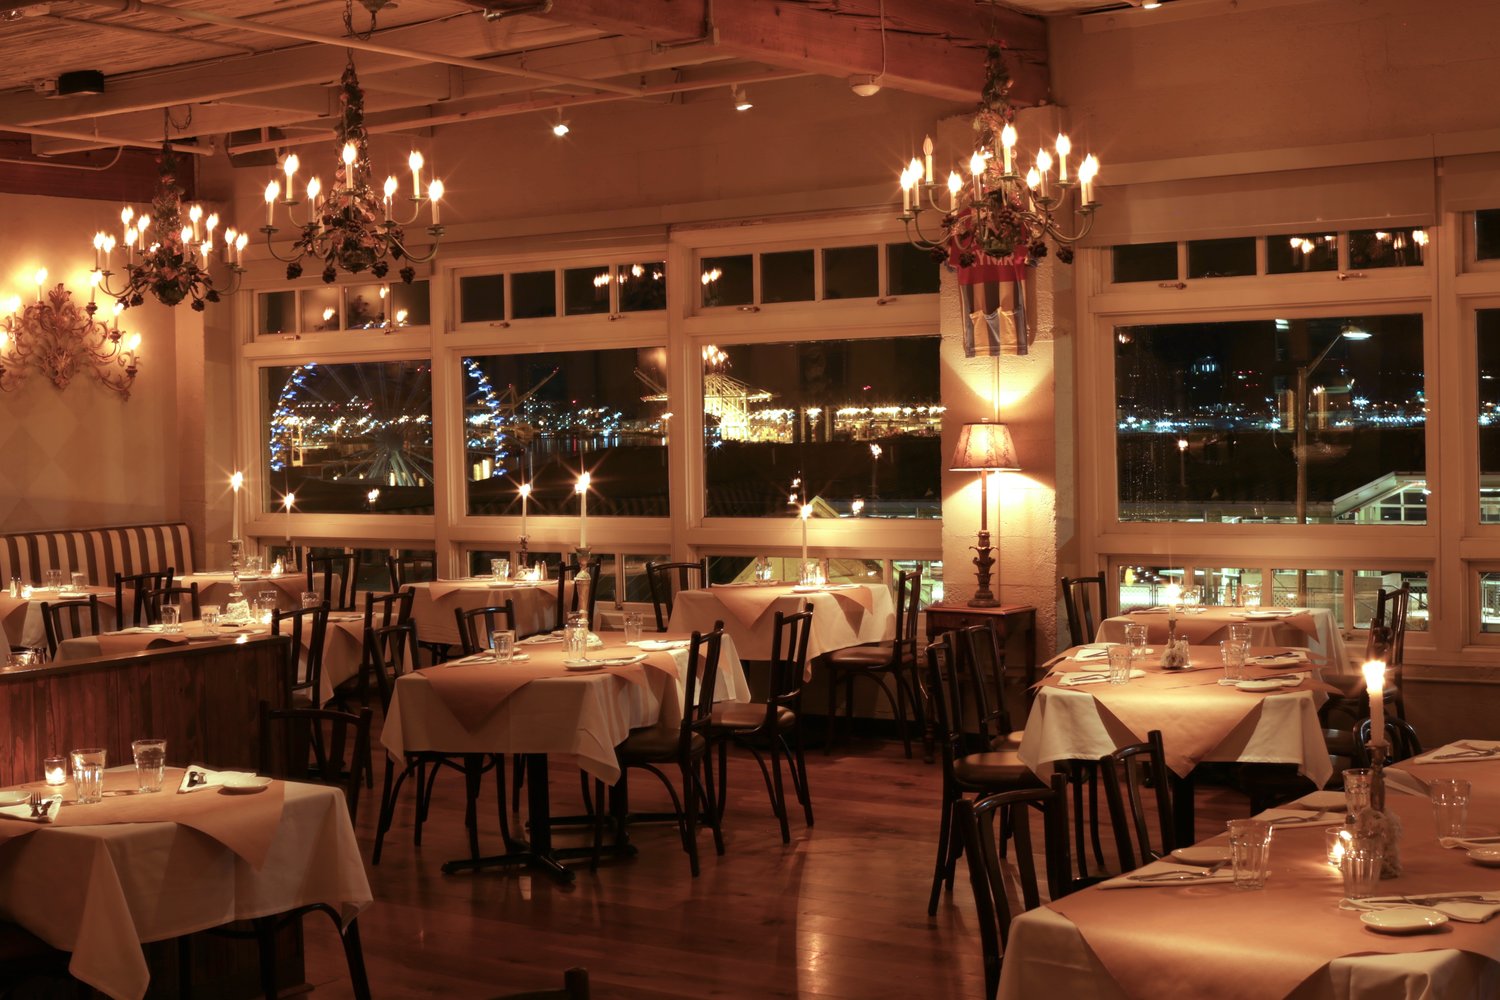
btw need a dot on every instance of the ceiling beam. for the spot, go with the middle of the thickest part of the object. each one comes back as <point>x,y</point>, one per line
<point>933,47</point>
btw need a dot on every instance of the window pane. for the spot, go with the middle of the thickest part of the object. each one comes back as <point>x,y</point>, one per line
<point>1308,588</point>
<point>1221,258</point>
<point>786,276</point>
<point>1145,262</point>
<point>533,294</point>
<point>932,577</point>
<point>1303,252</point>
<point>1207,420</point>
<point>586,291</point>
<point>1487,233</point>
<point>1227,586</point>
<point>860,420</point>
<point>539,418</point>
<point>643,286</point>
<point>1368,582</point>
<point>278,312</point>
<point>413,303</point>
<point>911,271</point>
<point>365,306</point>
<point>1489,602</point>
<point>346,437</point>
<point>727,281</point>
<point>1142,586</point>
<point>320,308</point>
<point>1372,248</point>
<point>481,298</point>
<point>851,272</point>
<point>1487,322</point>
<point>637,587</point>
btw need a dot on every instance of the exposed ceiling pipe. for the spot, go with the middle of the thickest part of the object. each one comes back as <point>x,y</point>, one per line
<point>104,141</point>
<point>493,12</point>
<point>481,65</point>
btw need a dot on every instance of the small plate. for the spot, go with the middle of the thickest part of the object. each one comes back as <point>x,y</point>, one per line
<point>244,783</point>
<point>14,798</point>
<point>1487,856</point>
<point>1267,685</point>
<point>1206,855</point>
<point>1403,920</point>
<point>581,665</point>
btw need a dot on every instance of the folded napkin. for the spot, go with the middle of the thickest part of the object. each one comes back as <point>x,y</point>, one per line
<point>487,658</point>
<point>1151,611</point>
<point>548,637</point>
<point>1093,651</point>
<point>1276,659</point>
<point>1076,680</point>
<point>197,777</point>
<point>610,661</point>
<point>658,645</point>
<point>1292,817</point>
<point>1169,875</point>
<point>1465,906</point>
<point>1463,750</point>
<point>23,812</point>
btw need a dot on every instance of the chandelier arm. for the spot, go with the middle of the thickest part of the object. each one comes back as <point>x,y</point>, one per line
<point>269,231</point>
<point>436,232</point>
<point>922,240</point>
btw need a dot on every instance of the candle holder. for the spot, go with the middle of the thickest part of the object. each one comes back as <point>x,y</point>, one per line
<point>1373,821</point>
<point>582,582</point>
<point>236,549</point>
<point>523,557</point>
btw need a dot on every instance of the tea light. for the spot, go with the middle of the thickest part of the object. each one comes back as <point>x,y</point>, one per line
<point>55,771</point>
<point>1338,842</point>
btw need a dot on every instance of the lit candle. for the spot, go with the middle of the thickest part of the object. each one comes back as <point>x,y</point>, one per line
<point>582,489</point>
<point>1043,165</point>
<point>314,192</point>
<point>1338,843</point>
<point>976,170</point>
<point>1375,685</point>
<point>1087,171</point>
<point>98,249</point>
<point>391,185</point>
<point>290,165</point>
<point>803,515</point>
<point>41,279</point>
<point>239,247</point>
<point>195,215</point>
<point>1008,143</point>
<point>525,497</point>
<point>287,502</point>
<point>415,162</point>
<point>55,771</point>
<point>235,482</point>
<point>906,183</point>
<point>1064,147</point>
<point>927,156</point>
<point>954,184</point>
<point>435,195</point>
<point>272,190</point>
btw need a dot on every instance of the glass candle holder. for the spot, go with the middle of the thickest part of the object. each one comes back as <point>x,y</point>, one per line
<point>55,771</point>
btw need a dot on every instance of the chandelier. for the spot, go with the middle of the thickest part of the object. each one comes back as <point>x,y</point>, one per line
<point>350,228</point>
<point>998,216</point>
<point>56,337</point>
<point>164,255</point>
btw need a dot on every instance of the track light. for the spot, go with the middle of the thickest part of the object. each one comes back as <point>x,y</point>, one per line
<point>560,127</point>
<point>741,100</point>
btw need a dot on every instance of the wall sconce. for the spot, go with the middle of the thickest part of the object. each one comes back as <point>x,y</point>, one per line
<point>984,448</point>
<point>59,338</point>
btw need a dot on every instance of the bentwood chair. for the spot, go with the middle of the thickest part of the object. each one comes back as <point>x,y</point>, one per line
<point>1129,774</point>
<point>976,825</point>
<point>767,726</point>
<point>1086,601</point>
<point>69,620</point>
<point>667,579</point>
<point>567,597</point>
<point>575,987</point>
<point>410,569</point>
<point>133,612</point>
<point>1400,738</point>
<point>1386,642</point>
<point>186,599</point>
<point>476,625</point>
<point>336,574</point>
<point>895,661</point>
<point>381,611</point>
<point>307,628</point>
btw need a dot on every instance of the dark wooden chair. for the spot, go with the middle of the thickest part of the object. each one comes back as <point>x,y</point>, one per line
<point>567,598</point>
<point>687,748</point>
<point>307,628</point>
<point>69,620</point>
<point>1386,641</point>
<point>475,625</point>
<point>1086,601</point>
<point>1129,774</point>
<point>667,579</point>
<point>763,728</point>
<point>132,612</point>
<point>186,599</point>
<point>575,987</point>
<point>1401,741</point>
<point>334,577</point>
<point>969,763</point>
<point>895,661</point>
<point>410,569</point>
<point>976,825</point>
<point>381,611</point>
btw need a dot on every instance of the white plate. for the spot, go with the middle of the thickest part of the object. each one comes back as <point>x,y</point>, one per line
<point>1487,856</point>
<point>1403,920</point>
<point>240,783</point>
<point>1267,685</point>
<point>1207,855</point>
<point>581,665</point>
<point>14,798</point>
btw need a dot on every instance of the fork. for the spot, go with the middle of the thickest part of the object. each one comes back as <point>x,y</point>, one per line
<point>1179,875</point>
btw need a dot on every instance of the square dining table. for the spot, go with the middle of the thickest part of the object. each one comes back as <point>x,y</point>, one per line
<point>1311,628</point>
<point>1294,938</point>
<point>846,614</point>
<point>434,601</point>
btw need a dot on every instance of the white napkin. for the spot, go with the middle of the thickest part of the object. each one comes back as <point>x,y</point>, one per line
<point>212,779</point>
<point>137,630</point>
<point>1465,910</point>
<point>657,645</point>
<point>1093,651</point>
<point>1075,680</point>
<point>547,637</point>
<point>1192,875</point>
<point>1302,817</point>
<point>1299,655</point>
<point>485,658</point>
<point>1461,752</point>
<point>23,812</point>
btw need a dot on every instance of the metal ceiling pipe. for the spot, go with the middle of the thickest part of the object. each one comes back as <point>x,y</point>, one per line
<point>483,66</point>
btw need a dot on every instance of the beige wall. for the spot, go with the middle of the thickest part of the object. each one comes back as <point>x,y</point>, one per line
<point>82,456</point>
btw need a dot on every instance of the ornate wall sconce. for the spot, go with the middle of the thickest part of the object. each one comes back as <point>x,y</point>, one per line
<point>59,338</point>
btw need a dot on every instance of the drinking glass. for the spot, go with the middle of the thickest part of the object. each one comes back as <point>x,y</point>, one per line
<point>1135,636</point>
<point>1232,655</point>
<point>311,598</point>
<point>503,644</point>
<point>1450,805</point>
<point>88,774</point>
<point>1360,866</point>
<point>1250,852</point>
<point>1191,596</point>
<point>1252,597</point>
<point>209,615</point>
<point>576,637</point>
<point>1240,632</point>
<point>171,617</point>
<point>150,759</point>
<point>500,569</point>
<point>52,579</point>
<point>80,582</point>
<point>762,569</point>
<point>20,658</point>
<point>1357,789</point>
<point>633,624</point>
<point>1120,657</point>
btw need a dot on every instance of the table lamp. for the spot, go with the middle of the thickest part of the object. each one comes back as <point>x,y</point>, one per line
<point>984,448</point>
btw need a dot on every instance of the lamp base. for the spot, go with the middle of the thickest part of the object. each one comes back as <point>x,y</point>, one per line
<point>983,563</point>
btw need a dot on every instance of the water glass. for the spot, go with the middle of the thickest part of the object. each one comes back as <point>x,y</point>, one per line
<point>634,621</point>
<point>311,598</point>
<point>21,659</point>
<point>1450,805</point>
<point>80,582</point>
<point>503,644</point>
<point>1357,789</point>
<point>762,569</point>
<point>1360,865</point>
<point>1120,659</point>
<point>1252,597</point>
<point>1240,632</point>
<point>52,579</point>
<point>1250,852</point>
<point>209,615</point>
<point>500,569</point>
<point>576,637</point>
<point>171,618</point>
<point>1232,655</point>
<point>150,759</point>
<point>88,774</point>
<point>1135,635</point>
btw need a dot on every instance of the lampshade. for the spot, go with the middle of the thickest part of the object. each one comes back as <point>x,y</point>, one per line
<point>984,448</point>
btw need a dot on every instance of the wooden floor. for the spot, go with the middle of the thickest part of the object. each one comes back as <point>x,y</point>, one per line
<point>838,913</point>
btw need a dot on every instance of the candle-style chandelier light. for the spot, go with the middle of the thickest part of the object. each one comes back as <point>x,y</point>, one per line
<point>998,215</point>
<point>350,228</point>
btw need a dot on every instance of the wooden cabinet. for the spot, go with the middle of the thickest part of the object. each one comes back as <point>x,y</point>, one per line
<point>1012,620</point>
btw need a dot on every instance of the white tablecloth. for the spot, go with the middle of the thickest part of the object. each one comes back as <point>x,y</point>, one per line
<point>1326,642</point>
<point>535,607</point>
<point>22,617</point>
<point>100,891</point>
<point>834,626</point>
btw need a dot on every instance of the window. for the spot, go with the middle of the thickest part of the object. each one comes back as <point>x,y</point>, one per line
<point>851,272</point>
<point>320,309</point>
<point>1487,324</point>
<point>728,281</point>
<point>1376,248</point>
<point>349,438</point>
<point>1489,602</point>
<point>1207,420</point>
<point>857,421</point>
<point>533,294</point>
<point>1302,252</point>
<point>786,276</point>
<point>278,312</point>
<point>1369,582</point>
<point>1221,258</point>
<point>542,418</point>
<point>642,286</point>
<point>586,290</point>
<point>911,271</point>
<point>1308,588</point>
<point>1145,262</point>
<point>1487,234</point>
<point>326,308</point>
<point>481,298</point>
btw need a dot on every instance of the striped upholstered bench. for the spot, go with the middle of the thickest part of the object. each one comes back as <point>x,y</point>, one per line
<point>99,552</point>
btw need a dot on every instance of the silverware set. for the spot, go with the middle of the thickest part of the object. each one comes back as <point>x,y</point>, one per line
<point>1179,875</point>
<point>1468,751</point>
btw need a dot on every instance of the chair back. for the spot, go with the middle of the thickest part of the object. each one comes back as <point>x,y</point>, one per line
<point>667,579</point>
<point>1126,774</point>
<point>788,662</point>
<point>908,605</point>
<point>154,599</point>
<point>133,612</point>
<point>1086,601</point>
<point>945,694</point>
<point>976,823</point>
<point>469,621</point>
<point>981,665</point>
<point>69,620</point>
<point>307,627</point>
<point>410,569</point>
<point>390,651</point>
<point>388,609</point>
<point>309,744</point>
<point>567,570</point>
<point>1401,740</point>
<point>334,577</point>
<point>699,685</point>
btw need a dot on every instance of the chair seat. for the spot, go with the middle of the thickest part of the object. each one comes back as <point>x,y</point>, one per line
<point>876,655</point>
<point>733,715</point>
<point>997,769</point>
<point>656,744</point>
